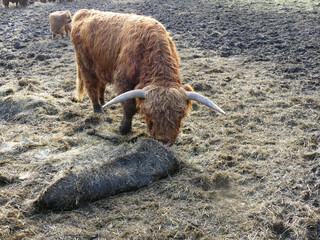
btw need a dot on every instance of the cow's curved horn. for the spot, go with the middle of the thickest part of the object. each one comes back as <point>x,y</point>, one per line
<point>138,93</point>
<point>202,99</point>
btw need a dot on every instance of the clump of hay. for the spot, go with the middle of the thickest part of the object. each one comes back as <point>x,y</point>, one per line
<point>147,161</point>
<point>26,109</point>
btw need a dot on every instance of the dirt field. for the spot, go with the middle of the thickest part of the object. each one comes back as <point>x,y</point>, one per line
<point>251,174</point>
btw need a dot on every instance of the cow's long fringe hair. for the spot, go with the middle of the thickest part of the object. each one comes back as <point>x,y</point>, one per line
<point>167,106</point>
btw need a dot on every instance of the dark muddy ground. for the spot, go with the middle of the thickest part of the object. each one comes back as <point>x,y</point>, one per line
<point>252,174</point>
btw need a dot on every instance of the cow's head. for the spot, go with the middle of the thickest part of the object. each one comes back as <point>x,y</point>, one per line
<point>164,108</point>
<point>68,17</point>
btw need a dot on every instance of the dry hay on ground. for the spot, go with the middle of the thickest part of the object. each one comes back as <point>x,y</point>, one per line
<point>252,174</point>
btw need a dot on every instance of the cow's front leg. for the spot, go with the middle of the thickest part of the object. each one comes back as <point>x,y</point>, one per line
<point>101,94</point>
<point>129,109</point>
<point>97,107</point>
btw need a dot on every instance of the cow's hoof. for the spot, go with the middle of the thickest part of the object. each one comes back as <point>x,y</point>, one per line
<point>125,129</point>
<point>98,109</point>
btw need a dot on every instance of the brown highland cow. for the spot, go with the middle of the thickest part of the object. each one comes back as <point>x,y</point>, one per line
<point>136,54</point>
<point>60,22</point>
<point>23,3</point>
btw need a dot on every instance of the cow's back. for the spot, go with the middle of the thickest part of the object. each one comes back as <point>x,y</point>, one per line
<point>113,41</point>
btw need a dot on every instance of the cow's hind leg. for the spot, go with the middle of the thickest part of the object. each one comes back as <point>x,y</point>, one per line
<point>87,78</point>
<point>129,108</point>
<point>93,90</point>
<point>92,85</point>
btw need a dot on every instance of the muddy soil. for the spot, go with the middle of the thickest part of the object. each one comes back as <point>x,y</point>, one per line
<point>251,174</point>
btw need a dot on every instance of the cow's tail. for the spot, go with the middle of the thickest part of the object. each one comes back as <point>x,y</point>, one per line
<point>80,87</point>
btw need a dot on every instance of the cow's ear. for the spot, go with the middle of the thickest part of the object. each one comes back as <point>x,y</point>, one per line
<point>188,88</point>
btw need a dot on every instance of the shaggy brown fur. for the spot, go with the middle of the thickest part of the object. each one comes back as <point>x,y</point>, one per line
<point>168,112</point>
<point>60,22</point>
<point>133,52</point>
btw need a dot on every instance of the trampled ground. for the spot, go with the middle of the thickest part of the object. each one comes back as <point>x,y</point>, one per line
<point>251,174</point>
